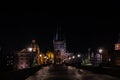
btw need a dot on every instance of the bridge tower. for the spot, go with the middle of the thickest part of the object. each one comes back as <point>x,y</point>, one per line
<point>59,44</point>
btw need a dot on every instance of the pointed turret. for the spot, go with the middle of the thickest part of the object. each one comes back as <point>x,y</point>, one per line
<point>59,35</point>
<point>59,46</point>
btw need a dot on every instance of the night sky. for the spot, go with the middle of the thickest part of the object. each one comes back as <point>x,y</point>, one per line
<point>19,27</point>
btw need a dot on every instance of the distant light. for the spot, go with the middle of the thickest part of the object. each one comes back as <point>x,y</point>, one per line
<point>78,55</point>
<point>73,57</point>
<point>30,49</point>
<point>45,57</point>
<point>40,55</point>
<point>34,50</point>
<point>100,50</point>
<point>69,58</point>
<point>109,59</point>
<point>33,41</point>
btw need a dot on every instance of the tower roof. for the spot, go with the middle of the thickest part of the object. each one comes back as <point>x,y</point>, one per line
<point>59,34</point>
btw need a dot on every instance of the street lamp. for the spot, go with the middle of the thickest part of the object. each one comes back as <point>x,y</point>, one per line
<point>31,59</point>
<point>30,49</point>
<point>100,51</point>
<point>45,57</point>
<point>69,58</point>
<point>73,57</point>
<point>40,55</point>
<point>78,55</point>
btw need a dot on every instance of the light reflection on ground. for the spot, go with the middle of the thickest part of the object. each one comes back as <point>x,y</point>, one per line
<point>67,73</point>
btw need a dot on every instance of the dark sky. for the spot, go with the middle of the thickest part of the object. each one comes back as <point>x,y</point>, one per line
<point>19,27</point>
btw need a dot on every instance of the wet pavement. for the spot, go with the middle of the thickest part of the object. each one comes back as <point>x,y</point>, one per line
<point>62,72</point>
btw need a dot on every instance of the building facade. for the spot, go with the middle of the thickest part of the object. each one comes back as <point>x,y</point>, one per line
<point>116,55</point>
<point>59,48</point>
<point>7,59</point>
<point>28,57</point>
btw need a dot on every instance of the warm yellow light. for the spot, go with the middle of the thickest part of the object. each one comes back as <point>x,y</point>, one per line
<point>40,55</point>
<point>45,57</point>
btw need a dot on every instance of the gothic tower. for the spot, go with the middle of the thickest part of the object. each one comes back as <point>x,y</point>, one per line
<point>59,44</point>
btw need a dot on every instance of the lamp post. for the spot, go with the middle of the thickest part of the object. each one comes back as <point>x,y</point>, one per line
<point>100,52</point>
<point>40,59</point>
<point>30,49</point>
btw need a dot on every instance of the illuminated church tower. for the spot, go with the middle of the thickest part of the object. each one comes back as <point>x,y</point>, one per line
<point>59,47</point>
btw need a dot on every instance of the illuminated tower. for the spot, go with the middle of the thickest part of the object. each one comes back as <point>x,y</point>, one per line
<point>59,47</point>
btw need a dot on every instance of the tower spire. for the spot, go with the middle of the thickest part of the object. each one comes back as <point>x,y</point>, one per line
<point>56,37</point>
<point>59,46</point>
<point>58,34</point>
